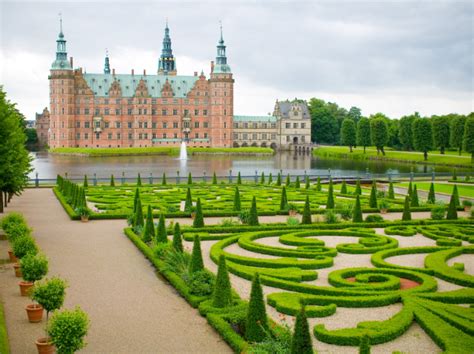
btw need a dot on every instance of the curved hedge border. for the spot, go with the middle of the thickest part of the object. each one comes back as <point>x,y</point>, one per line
<point>4,346</point>
<point>438,262</point>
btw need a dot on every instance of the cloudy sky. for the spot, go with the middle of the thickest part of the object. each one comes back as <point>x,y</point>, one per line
<point>395,57</point>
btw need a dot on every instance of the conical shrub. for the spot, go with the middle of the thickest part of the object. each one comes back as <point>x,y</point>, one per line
<point>330,200</point>
<point>199,218</point>
<point>431,194</point>
<point>319,188</point>
<point>287,180</point>
<point>177,239</point>
<point>161,234</point>
<point>406,210</point>
<point>306,212</point>
<point>214,178</point>
<point>188,203</point>
<point>391,192</point>
<point>190,179</point>
<point>149,231</point>
<point>256,325</point>
<point>262,178</point>
<point>343,187</point>
<point>112,181</point>
<point>196,264</point>
<point>163,179</point>
<point>222,296</point>
<point>373,196</point>
<point>86,182</point>
<point>270,178</point>
<point>307,182</point>
<point>297,182</point>
<point>456,196</point>
<point>253,218</point>
<point>410,190</point>
<point>414,202</point>
<point>135,200</point>
<point>283,199</point>
<point>301,341</point>
<point>139,181</point>
<point>278,182</point>
<point>239,178</point>
<point>455,175</point>
<point>358,189</point>
<point>452,213</point>
<point>139,214</point>
<point>357,211</point>
<point>237,206</point>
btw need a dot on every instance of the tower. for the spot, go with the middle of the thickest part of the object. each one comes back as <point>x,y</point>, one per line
<point>167,63</point>
<point>106,63</point>
<point>61,90</point>
<point>222,98</point>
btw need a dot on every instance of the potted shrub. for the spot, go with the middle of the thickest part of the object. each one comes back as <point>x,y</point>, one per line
<point>467,204</point>
<point>292,209</point>
<point>50,295</point>
<point>13,232</point>
<point>21,247</point>
<point>84,212</point>
<point>193,212</point>
<point>383,205</point>
<point>67,330</point>
<point>33,268</point>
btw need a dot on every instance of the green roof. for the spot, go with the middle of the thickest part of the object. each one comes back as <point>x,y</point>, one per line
<point>100,84</point>
<point>269,119</point>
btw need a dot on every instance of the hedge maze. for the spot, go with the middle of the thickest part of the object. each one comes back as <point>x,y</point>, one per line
<point>297,255</point>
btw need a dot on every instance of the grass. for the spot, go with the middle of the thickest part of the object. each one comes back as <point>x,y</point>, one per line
<point>4,346</point>
<point>451,158</point>
<point>464,191</point>
<point>171,151</point>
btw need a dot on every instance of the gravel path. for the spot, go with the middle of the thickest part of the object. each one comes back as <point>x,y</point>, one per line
<point>131,311</point>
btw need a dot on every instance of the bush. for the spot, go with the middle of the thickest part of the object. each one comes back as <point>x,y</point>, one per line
<point>196,263</point>
<point>301,343</point>
<point>283,200</point>
<point>237,205</point>
<point>222,296</point>
<point>11,220</point>
<point>160,249</point>
<point>357,211</point>
<point>452,212</point>
<point>306,212</point>
<point>292,221</point>
<point>161,232</point>
<point>176,262</point>
<point>177,239</point>
<point>345,211</point>
<point>257,323</point>
<point>67,330</point>
<point>438,212</point>
<point>374,218</point>
<point>188,203</point>
<point>466,203</point>
<point>373,196</point>
<point>34,267</point>
<point>227,222</point>
<point>330,217</point>
<point>49,293</point>
<point>198,219</point>
<point>149,231</point>
<point>330,200</point>
<point>406,210</point>
<point>253,217</point>
<point>201,283</point>
<point>244,216</point>
<point>24,245</point>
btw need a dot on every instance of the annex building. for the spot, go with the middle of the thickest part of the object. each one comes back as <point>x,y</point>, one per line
<point>110,109</point>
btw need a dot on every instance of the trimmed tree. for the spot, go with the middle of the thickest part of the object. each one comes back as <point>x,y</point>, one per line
<point>163,179</point>
<point>112,181</point>
<point>379,133</point>
<point>319,188</point>
<point>358,189</point>
<point>199,218</point>
<point>161,234</point>
<point>307,182</point>
<point>468,138</point>
<point>237,205</point>
<point>283,199</point>
<point>431,194</point>
<point>452,212</point>
<point>253,218</point>
<point>363,133</point>
<point>405,131</point>
<point>373,196</point>
<point>414,202</point>
<point>139,181</point>
<point>348,133</point>
<point>357,211</point>
<point>287,180</point>
<point>149,231</point>
<point>196,264</point>
<point>86,183</point>
<point>456,132</point>
<point>440,132</point>
<point>306,212</point>
<point>214,178</point>
<point>422,136</point>
<point>391,192</point>
<point>457,202</point>
<point>301,341</point>
<point>270,178</point>
<point>222,296</point>
<point>262,178</point>
<point>297,182</point>
<point>188,203</point>
<point>135,200</point>
<point>138,221</point>
<point>343,187</point>
<point>278,182</point>
<point>190,179</point>
<point>239,178</point>
<point>330,200</point>
<point>406,210</point>
<point>410,190</point>
<point>455,175</point>
<point>256,325</point>
<point>177,240</point>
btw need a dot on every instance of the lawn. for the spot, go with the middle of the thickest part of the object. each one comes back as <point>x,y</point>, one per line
<point>450,158</point>
<point>4,347</point>
<point>463,190</point>
<point>173,151</point>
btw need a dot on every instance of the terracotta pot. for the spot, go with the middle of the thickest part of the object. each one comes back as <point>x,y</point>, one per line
<point>44,346</point>
<point>383,211</point>
<point>292,212</point>
<point>25,287</point>
<point>84,218</point>
<point>12,257</point>
<point>17,268</point>
<point>193,215</point>
<point>467,208</point>
<point>34,312</point>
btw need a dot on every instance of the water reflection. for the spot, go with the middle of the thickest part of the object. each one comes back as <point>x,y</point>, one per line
<point>48,166</point>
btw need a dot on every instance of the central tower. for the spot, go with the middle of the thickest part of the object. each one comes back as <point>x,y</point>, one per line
<point>167,63</point>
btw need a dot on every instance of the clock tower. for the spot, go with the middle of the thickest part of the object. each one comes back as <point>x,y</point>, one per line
<point>167,63</point>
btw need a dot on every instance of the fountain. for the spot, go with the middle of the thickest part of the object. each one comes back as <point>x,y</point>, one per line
<point>183,154</point>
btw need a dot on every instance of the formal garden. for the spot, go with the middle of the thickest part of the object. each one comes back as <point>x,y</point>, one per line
<point>333,281</point>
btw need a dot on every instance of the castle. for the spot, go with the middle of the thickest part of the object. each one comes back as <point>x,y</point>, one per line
<point>163,109</point>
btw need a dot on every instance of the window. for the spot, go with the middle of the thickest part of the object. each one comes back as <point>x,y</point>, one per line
<point>288,125</point>
<point>140,136</point>
<point>196,124</point>
<point>236,125</point>
<point>246,125</point>
<point>186,124</point>
<point>86,136</point>
<point>287,138</point>
<point>303,125</point>
<point>196,112</point>
<point>145,125</point>
<point>175,124</point>
<point>303,139</point>
<point>139,111</point>
<point>264,136</point>
<point>225,112</point>
<point>87,124</point>
<point>78,124</point>
<point>153,112</point>
<point>274,125</point>
<point>97,136</point>
<point>86,111</point>
<point>205,135</point>
<point>117,124</point>
<point>117,101</point>
<point>129,125</point>
<point>175,135</point>
<point>153,125</point>
<point>118,136</point>
<point>130,101</point>
<point>204,112</point>
<point>78,111</point>
<point>144,111</point>
<point>106,101</point>
<point>175,112</point>
<point>97,111</point>
<point>225,125</point>
<point>153,136</point>
<point>254,125</point>
<point>196,135</point>
<point>140,125</point>
<point>244,136</point>
<point>295,125</point>
<point>254,136</point>
<point>145,136</point>
<point>117,112</point>
<point>78,136</point>
<point>206,124</point>
<point>236,136</point>
<point>130,136</point>
<point>97,124</point>
<point>109,136</point>
<point>186,112</point>
<point>106,111</point>
<point>165,125</point>
<point>164,135</point>
<point>107,124</point>
<point>163,112</point>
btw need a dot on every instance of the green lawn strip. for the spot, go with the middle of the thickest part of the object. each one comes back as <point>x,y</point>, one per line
<point>463,190</point>
<point>4,346</point>
<point>174,151</point>
<point>391,155</point>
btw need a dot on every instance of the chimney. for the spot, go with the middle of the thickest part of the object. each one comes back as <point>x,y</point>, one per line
<point>144,72</point>
<point>113,72</point>
<point>71,60</point>
<point>212,66</point>
<point>195,73</point>
<point>133,72</point>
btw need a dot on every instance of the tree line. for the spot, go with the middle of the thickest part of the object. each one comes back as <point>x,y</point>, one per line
<point>15,161</point>
<point>334,125</point>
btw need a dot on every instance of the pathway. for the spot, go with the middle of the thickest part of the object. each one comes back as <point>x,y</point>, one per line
<point>131,310</point>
